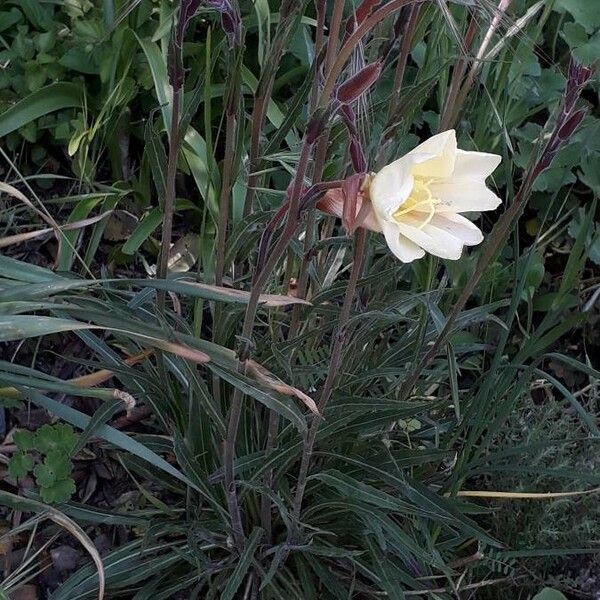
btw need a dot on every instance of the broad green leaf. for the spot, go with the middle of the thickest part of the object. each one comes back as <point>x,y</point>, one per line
<point>550,594</point>
<point>585,13</point>
<point>56,96</point>
<point>19,465</point>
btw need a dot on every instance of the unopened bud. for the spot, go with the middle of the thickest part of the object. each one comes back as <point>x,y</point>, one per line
<point>359,163</point>
<point>579,74</point>
<point>360,14</point>
<point>358,84</point>
<point>232,26</point>
<point>316,125</point>
<point>571,125</point>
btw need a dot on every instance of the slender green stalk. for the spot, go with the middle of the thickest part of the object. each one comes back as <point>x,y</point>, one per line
<point>169,208</point>
<point>231,128</point>
<point>258,284</point>
<point>263,94</point>
<point>451,105</point>
<point>320,152</point>
<point>408,34</point>
<point>302,282</point>
<point>339,341</point>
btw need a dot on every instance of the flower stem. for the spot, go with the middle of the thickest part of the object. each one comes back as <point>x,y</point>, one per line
<point>338,342</point>
<point>258,284</point>
<point>231,129</point>
<point>169,208</point>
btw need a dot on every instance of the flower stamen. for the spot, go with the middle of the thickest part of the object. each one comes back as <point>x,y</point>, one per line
<point>420,200</point>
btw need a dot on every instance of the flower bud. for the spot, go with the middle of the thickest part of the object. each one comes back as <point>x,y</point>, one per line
<point>360,14</point>
<point>358,84</point>
<point>317,124</point>
<point>359,163</point>
<point>571,125</point>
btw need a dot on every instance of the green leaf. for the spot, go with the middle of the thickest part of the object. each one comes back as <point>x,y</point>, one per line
<point>191,467</point>
<point>279,403</point>
<point>19,465</point>
<point>24,440</point>
<point>102,414</point>
<point>26,326</point>
<point>585,49</point>
<point>80,212</point>
<point>18,270</point>
<point>550,594</point>
<point>243,565</point>
<point>59,437</point>
<point>145,228</point>
<point>9,18</point>
<point>60,491</point>
<point>584,12</point>
<point>353,489</point>
<point>55,467</point>
<point>56,96</point>
<point>110,434</point>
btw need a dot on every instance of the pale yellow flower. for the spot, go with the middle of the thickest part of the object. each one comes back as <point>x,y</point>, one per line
<point>417,200</point>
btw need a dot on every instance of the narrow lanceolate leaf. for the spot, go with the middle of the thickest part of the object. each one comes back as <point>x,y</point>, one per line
<point>18,327</point>
<point>243,564</point>
<point>281,405</point>
<point>29,505</point>
<point>17,270</point>
<point>352,489</point>
<point>19,238</point>
<point>216,292</point>
<point>268,379</point>
<point>100,417</point>
<point>143,231</point>
<point>190,466</point>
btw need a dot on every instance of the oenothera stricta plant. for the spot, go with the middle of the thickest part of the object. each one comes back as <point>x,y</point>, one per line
<point>415,201</point>
<point>318,123</point>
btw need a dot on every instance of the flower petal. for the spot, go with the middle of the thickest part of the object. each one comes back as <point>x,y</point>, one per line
<point>432,239</point>
<point>365,216</point>
<point>332,203</point>
<point>391,186</point>
<point>475,165</point>
<point>459,227</point>
<point>463,195</point>
<point>401,246</point>
<point>442,148</point>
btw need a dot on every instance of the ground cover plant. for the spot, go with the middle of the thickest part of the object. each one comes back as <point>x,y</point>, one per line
<point>299,299</point>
